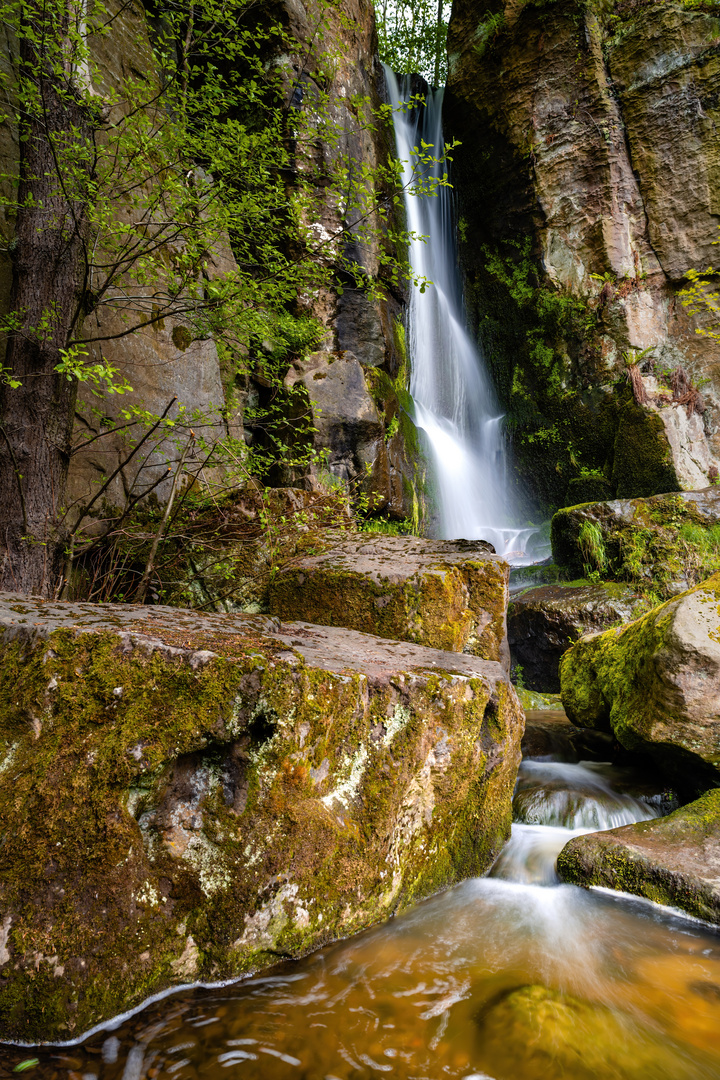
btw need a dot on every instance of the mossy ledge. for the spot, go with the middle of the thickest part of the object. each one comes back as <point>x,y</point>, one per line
<point>188,797</point>
<point>447,594</point>
<point>673,860</point>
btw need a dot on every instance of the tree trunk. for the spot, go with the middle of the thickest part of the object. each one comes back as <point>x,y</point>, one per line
<point>47,292</point>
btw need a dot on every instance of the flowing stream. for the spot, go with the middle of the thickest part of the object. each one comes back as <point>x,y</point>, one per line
<point>455,404</point>
<point>510,977</point>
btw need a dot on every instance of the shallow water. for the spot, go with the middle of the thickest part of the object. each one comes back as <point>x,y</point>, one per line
<point>513,977</point>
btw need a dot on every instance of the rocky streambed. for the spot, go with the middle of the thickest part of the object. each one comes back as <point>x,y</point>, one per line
<point>513,975</point>
<point>189,799</point>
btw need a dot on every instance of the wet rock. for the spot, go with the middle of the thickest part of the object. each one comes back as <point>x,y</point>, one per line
<point>536,1032</point>
<point>672,860</point>
<point>188,796</point>
<point>344,415</point>
<point>620,201</point>
<point>666,542</point>
<point>549,734</point>
<point>544,622</point>
<point>446,594</point>
<point>655,684</point>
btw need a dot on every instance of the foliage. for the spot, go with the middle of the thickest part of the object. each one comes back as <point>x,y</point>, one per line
<point>200,190</point>
<point>592,548</point>
<point>488,29</point>
<point>412,37</point>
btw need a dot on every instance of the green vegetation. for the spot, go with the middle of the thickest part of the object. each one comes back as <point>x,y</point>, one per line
<point>664,541</point>
<point>202,209</point>
<point>412,37</point>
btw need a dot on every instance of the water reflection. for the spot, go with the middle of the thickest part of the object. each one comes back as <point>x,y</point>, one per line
<point>512,977</point>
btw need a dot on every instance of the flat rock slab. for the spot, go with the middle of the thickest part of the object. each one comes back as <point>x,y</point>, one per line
<point>445,594</point>
<point>655,684</point>
<point>189,797</point>
<point>544,622</point>
<point>673,860</point>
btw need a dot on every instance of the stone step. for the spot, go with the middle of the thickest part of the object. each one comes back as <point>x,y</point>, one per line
<point>445,594</point>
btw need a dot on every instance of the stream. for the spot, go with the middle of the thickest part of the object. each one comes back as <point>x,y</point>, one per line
<point>511,977</point>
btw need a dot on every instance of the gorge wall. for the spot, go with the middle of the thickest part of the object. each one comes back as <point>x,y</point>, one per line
<point>352,380</point>
<point>587,186</point>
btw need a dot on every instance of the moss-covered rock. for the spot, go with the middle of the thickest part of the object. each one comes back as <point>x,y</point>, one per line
<point>673,860</point>
<point>664,543</point>
<point>536,1032</point>
<point>544,622</point>
<point>642,459</point>
<point>655,684</point>
<point>443,594</point>
<point>191,797</point>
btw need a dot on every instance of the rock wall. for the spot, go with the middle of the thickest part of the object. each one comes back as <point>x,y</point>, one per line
<point>587,187</point>
<point>161,362</point>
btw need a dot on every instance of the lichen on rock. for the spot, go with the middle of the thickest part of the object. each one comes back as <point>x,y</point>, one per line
<point>444,594</point>
<point>191,797</point>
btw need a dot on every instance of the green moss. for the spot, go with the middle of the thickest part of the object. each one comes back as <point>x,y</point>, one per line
<point>168,815</point>
<point>614,682</point>
<point>642,460</point>
<point>656,859</point>
<point>442,608</point>
<point>653,544</point>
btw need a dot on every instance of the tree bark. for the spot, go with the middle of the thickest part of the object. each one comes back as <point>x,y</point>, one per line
<point>49,262</point>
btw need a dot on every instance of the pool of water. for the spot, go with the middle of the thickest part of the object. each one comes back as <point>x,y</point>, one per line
<point>513,977</point>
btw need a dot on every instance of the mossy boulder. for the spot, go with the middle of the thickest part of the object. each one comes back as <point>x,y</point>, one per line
<point>188,797</point>
<point>544,622</point>
<point>665,543</point>
<point>672,860</point>
<point>655,684</point>
<point>446,594</point>
<point>536,1032</point>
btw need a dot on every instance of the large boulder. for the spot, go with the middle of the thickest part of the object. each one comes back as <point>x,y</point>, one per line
<point>543,623</point>
<point>189,796</point>
<point>666,542</point>
<point>655,684</point>
<point>672,860</point>
<point>446,594</point>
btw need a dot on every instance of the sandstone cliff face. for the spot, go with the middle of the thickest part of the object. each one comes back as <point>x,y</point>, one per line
<point>594,137</point>
<point>161,361</point>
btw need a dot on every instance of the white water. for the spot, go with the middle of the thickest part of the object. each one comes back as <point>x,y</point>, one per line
<point>455,404</point>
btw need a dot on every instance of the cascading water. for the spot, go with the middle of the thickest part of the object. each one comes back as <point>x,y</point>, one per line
<point>455,404</point>
<point>510,977</point>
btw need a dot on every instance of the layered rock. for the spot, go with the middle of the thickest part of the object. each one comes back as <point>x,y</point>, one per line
<point>672,860</point>
<point>666,543</point>
<point>544,622</point>
<point>586,187</point>
<point>448,594</point>
<point>190,797</point>
<point>168,365</point>
<point>655,684</point>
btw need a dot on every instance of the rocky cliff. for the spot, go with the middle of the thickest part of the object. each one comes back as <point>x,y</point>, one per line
<point>358,370</point>
<point>587,187</point>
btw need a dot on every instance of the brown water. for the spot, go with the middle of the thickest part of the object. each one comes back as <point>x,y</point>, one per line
<point>512,977</point>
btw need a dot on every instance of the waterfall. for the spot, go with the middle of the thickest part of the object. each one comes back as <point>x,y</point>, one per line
<point>455,404</point>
